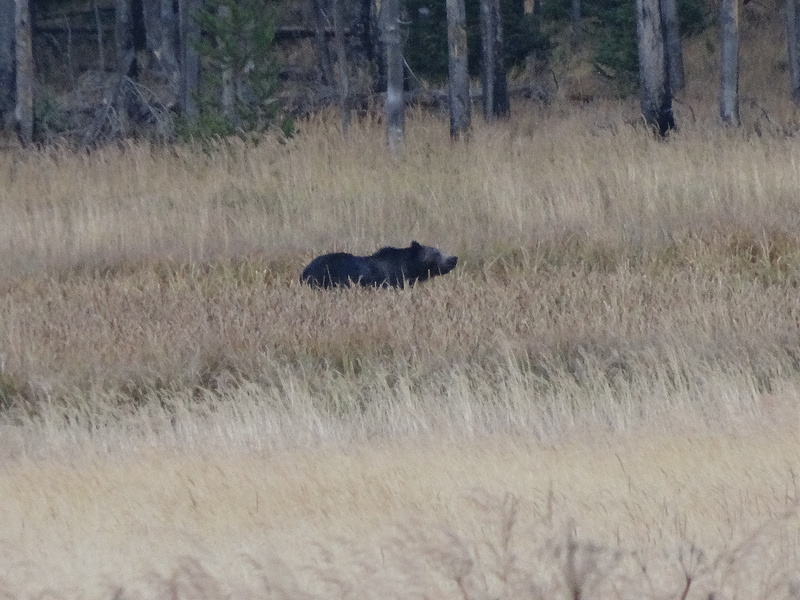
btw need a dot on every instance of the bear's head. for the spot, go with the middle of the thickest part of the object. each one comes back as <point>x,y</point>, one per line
<point>432,260</point>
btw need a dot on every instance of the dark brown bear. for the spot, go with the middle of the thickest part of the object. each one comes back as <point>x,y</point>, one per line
<point>387,267</point>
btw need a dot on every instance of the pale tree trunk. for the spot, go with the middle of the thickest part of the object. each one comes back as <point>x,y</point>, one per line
<point>394,106</point>
<point>123,31</point>
<point>729,62</point>
<point>7,63</point>
<point>487,59</point>
<point>227,96</point>
<point>376,19</point>
<point>24,73</point>
<point>342,64</point>
<point>101,52</point>
<point>575,19</point>
<point>161,30</point>
<point>323,54</point>
<point>169,44</point>
<point>654,91</point>
<point>793,46</point>
<point>458,69</point>
<point>493,74</point>
<point>227,93</point>
<point>190,64</point>
<point>670,25</point>
<point>151,14</point>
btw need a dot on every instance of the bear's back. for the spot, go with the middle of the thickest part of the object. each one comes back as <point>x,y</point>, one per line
<point>336,269</point>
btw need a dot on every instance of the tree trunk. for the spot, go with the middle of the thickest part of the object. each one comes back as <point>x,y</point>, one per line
<point>190,65</point>
<point>101,52</point>
<point>323,54</point>
<point>7,64</point>
<point>123,36</point>
<point>670,25</point>
<point>575,19</point>
<point>342,64</point>
<point>151,15</point>
<point>169,44</point>
<point>227,93</point>
<point>654,91</point>
<point>793,46</point>
<point>126,55</point>
<point>24,74</point>
<point>377,17</point>
<point>487,59</point>
<point>729,62</point>
<point>365,29</point>
<point>394,106</point>
<point>493,75</point>
<point>161,31</point>
<point>359,23</point>
<point>502,108</point>
<point>458,69</point>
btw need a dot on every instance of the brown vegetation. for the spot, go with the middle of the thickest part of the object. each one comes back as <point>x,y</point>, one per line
<point>617,349</point>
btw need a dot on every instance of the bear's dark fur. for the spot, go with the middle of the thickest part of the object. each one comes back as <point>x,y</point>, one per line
<point>387,267</point>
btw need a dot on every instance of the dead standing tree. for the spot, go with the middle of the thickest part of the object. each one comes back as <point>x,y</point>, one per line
<point>24,73</point>
<point>672,44</point>
<point>655,94</point>
<point>342,64</point>
<point>126,57</point>
<point>575,25</point>
<point>460,117</point>
<point>729,62</point>
<point>793,47</point>
<point>494,84</point>
<point>7,64</point>
<point>394,105</point>
<point>190,63</point>
<point>323,54</point>
<point>161,28</point>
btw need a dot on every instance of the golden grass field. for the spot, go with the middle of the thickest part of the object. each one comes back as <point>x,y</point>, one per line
<point>601,401</point>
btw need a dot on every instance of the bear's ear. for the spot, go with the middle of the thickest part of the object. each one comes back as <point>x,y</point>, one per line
<point>415,245</point>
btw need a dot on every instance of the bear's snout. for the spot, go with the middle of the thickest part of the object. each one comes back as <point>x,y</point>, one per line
<point>448,264</point>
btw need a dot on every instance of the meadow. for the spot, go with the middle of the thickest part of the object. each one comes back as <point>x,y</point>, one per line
<point>601,401</point>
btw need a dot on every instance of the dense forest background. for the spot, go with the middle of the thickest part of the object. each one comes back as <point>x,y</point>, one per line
<point>171,69</point>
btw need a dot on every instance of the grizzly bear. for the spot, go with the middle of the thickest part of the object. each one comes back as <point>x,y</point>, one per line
<point>387,267</point>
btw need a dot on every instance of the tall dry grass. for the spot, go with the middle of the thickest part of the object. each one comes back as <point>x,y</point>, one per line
<point>631,517</point>
<point>618,346</point>
<point>547,176</point>
<point>599,266</point>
